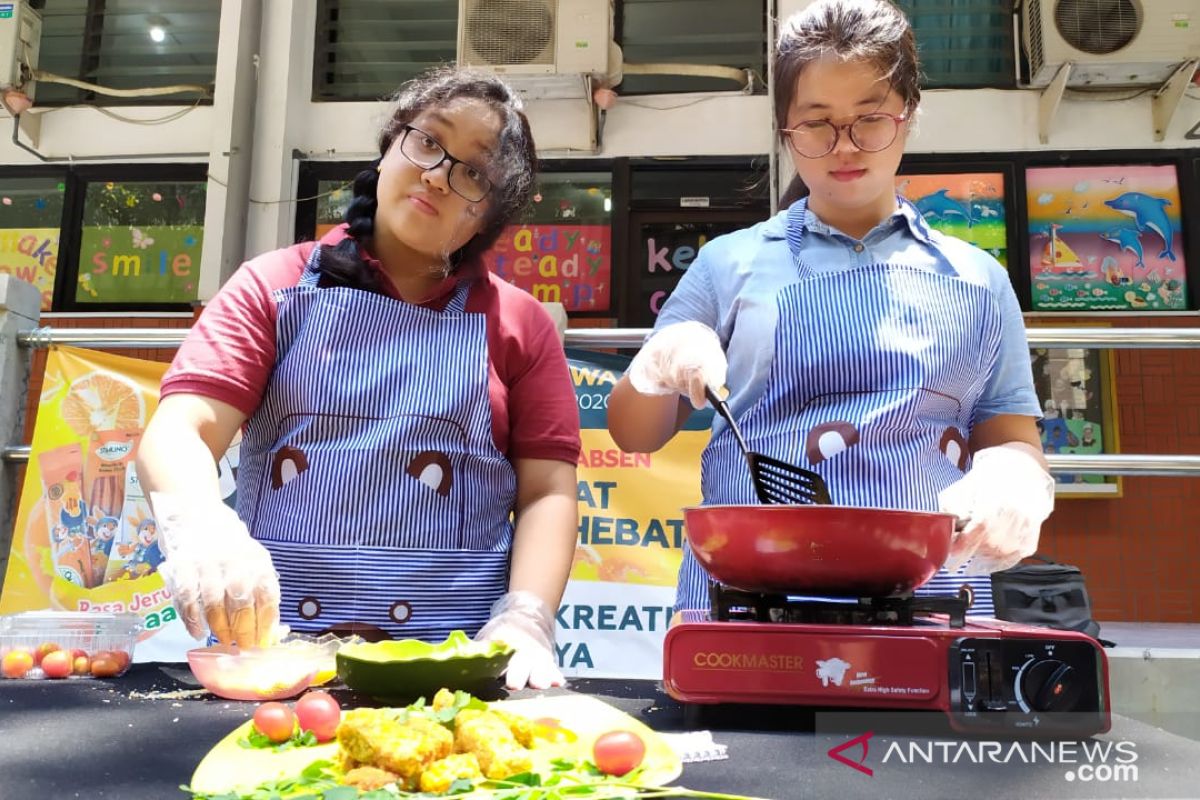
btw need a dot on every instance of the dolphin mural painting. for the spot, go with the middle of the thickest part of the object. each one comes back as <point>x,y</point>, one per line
<point>940,205</point>
<point>1127,239</point>
<point>1147,212</point>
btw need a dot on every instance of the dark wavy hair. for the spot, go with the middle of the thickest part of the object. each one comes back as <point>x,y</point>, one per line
<point>512,171</point>
<point>875,31</point>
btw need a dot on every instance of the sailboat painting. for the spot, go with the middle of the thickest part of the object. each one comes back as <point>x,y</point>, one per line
<point>1105,238</point>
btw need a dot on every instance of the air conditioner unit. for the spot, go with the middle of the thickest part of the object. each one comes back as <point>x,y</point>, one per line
<point>20,39</point>
<point>537,37</point>
<point>1110,43</point>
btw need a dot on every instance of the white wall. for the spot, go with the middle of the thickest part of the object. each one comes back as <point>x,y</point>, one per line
<point>288,122</point>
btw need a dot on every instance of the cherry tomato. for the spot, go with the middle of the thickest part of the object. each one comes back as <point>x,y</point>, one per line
<point>618,752</point>
<point>57,664</point>
<point>16,663</point>
<point>120,656</point>
<point>275,721</point>
<point>105,666</point>
<point>44,649</point>
<point>320,713</point>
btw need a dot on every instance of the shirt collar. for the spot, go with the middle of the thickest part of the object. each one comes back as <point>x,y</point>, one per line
<point>776,226</point>
<point>916,221</point>
<point>438,296</point>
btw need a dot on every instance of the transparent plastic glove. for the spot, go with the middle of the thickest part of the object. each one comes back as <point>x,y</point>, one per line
<point>524,622</point>
<point>1004,499</point>
<point>682,358</point>
<point>220,578</point>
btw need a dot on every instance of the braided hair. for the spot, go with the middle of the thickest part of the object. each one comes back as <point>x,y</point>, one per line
<point>512,170</point>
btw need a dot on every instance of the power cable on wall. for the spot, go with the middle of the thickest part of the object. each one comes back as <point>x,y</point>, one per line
<point>154,91</point>
<point>174,115</point>
<point>332,191</point>
<point>50,77</point>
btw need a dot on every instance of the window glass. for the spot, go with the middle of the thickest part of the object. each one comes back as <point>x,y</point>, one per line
<point>127,44</point>
<point>30,216</point>
<point>333,199</point>
<point>365,48</point>
<point>963,43</point>
<point>141,242</point>
<point>561,251</point>
<point>698,187</point>
<point>728,33</point>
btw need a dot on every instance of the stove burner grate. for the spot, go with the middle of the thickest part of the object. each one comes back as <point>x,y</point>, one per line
<point>734,605</point>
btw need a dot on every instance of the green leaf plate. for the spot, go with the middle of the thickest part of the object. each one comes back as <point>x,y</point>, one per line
<point>402,670</point>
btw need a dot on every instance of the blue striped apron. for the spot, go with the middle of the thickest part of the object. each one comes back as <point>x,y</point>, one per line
<point>370,472</point>
<point>877,398</point>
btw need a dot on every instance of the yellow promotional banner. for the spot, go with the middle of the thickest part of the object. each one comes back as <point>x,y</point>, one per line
<point>84,538</point>
<point>614,614</point>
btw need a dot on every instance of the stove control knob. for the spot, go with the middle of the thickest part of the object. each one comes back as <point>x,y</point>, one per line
<point>1050,685</point>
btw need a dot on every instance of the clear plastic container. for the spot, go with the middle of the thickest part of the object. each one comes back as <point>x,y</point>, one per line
<point>63,644</point>
<point>274,673</point>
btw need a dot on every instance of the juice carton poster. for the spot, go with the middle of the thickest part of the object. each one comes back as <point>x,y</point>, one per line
<point>85,539</point>
<point>1106,238</point>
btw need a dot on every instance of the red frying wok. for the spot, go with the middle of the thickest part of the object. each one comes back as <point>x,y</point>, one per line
<point>825,549</point>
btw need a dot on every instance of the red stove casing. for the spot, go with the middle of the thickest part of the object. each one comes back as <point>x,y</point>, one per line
<point>988,676</point>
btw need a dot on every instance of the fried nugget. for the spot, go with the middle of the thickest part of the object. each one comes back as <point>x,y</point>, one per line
<point>504,759</point>
<point>439,775</point>
<point>368,779</point>
<point>489,737</point>
<point>521,727</point>
<point>376,738</point>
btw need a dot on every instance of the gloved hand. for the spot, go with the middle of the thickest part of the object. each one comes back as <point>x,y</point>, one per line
<point>681,358</point>
<point>523,621</point>
<point>1004,499</point>
<point>220,578</point>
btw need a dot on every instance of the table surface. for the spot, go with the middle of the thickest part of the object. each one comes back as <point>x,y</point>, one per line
<point>119,738</point>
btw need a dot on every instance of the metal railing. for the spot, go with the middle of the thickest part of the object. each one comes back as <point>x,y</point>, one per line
<point>1137,338</point>
<point>1049,337</point>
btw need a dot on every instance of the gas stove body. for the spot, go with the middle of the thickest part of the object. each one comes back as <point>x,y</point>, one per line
<point>988,676</point>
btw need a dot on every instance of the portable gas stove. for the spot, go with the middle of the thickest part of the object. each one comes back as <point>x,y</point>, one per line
<point>895,653</point>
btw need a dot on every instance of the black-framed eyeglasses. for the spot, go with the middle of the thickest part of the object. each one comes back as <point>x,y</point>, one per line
<point>427,153</point>
<point>870,133</point>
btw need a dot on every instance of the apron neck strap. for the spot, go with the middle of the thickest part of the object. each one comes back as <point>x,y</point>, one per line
<point>458,302</point>
<point>796,226</point>
<point>312,268</point>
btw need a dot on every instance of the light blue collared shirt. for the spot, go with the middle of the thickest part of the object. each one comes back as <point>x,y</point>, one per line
<point>733,283</point>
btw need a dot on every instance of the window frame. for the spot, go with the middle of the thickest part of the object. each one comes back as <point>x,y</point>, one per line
<point>93,31</point>
<point>70,235</point>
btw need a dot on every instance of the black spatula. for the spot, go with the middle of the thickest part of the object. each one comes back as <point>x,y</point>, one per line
<point>774,481</point>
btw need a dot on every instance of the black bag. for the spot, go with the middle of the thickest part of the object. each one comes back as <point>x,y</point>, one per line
<point>1049,594</point>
